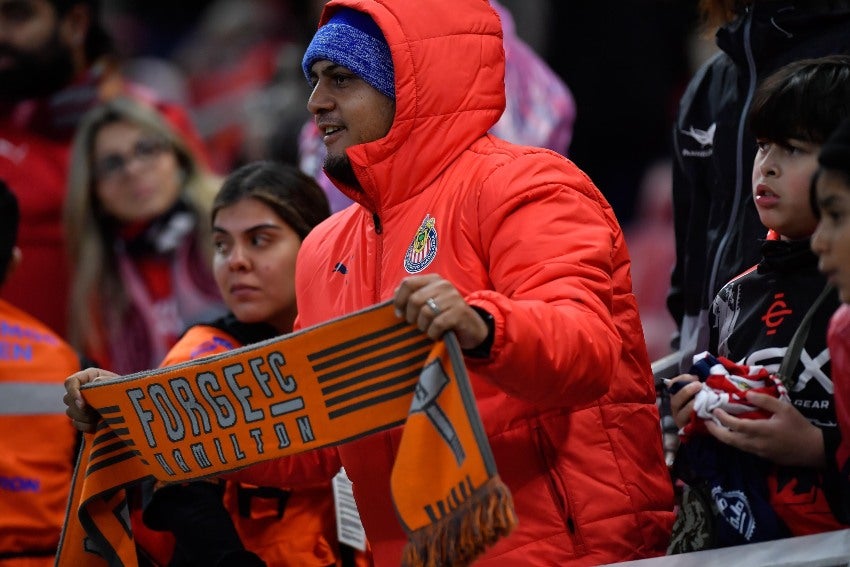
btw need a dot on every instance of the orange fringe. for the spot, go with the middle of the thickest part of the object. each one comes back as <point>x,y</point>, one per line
<point>459,538</point>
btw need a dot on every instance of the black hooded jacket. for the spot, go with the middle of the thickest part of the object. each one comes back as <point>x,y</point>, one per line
<point>718,231</point>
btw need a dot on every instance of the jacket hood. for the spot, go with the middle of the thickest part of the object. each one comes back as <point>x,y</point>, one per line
<point>449,82</point>
<point>778,25</point>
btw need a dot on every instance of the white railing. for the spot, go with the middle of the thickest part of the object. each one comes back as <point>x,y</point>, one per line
<point>830,549</point>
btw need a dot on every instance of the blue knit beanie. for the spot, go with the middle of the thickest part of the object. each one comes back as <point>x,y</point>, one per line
<point>353,40</point>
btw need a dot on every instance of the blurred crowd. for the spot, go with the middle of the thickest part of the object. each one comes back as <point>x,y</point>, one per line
<point>135,134</point>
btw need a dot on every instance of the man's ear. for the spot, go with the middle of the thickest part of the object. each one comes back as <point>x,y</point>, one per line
<point>14,261</point>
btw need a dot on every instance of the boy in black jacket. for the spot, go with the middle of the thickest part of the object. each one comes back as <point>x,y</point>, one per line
<point>766,477</point>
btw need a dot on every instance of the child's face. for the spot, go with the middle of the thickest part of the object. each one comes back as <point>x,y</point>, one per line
<point>831,240</point>
<point>782,175</point>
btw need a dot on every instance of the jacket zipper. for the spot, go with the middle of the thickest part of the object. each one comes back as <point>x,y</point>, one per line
<point>557,490</point>
<point>379,255</point>
<point>739,165</point>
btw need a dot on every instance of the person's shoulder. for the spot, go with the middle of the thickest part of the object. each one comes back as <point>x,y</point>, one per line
<point>200,341</point>
<point>717,74</point>
<point>498,153</point>
<point>16,322</point>
<point>517,168</point>
<point>28,339</point>
<point>514,176</point>
<point>747,278</point>
<point>840,323</point>
<point>339,222</point>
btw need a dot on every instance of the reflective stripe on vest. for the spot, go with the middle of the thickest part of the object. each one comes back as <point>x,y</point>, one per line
<point>27,398</point>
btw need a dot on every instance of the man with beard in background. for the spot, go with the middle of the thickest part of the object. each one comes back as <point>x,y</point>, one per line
<point>52,68</point>
<point>55,63</point>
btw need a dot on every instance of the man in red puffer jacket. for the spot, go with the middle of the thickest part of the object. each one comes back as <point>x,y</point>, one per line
<point>514,249</point>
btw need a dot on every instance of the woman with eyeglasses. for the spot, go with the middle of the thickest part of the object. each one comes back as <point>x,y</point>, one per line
<point>139,196</point>
<point>135,216</point>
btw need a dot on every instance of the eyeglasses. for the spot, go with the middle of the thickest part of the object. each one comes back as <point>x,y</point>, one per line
<point>145,151</point>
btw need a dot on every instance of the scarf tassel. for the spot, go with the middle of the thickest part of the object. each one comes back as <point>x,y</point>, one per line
<point>457,539</point>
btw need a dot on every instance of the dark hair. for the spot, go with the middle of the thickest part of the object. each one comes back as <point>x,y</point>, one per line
<point>835,157</point>
<point>9,219</point>
<point>835,153</point>
<point>293,195</point>
<point>805,100</point>
<point>98,40</point>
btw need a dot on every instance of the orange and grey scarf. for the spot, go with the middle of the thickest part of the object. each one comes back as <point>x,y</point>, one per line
<point>322,386</point>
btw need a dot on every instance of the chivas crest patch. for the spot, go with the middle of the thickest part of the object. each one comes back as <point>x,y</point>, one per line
<point>422,250</point>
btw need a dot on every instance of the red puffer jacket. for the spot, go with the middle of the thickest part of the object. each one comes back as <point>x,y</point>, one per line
<point>566,395</point>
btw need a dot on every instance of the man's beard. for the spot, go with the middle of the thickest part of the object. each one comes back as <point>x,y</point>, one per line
<point>339,167</point>
<point>36,74</point>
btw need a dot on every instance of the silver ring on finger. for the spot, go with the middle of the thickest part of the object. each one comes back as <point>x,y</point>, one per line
<point>432,303</point>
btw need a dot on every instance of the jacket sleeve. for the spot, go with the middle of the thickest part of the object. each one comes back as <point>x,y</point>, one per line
<point>681,213</point>
<point>838,340</point>
<point>690,203</point>
<point>553,247</point>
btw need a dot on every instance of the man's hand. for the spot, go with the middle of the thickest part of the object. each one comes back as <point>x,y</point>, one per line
<point>435,306</point>
<point>83,417</point>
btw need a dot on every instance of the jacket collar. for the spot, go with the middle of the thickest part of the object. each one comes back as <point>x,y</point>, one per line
<point>793,256</point>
